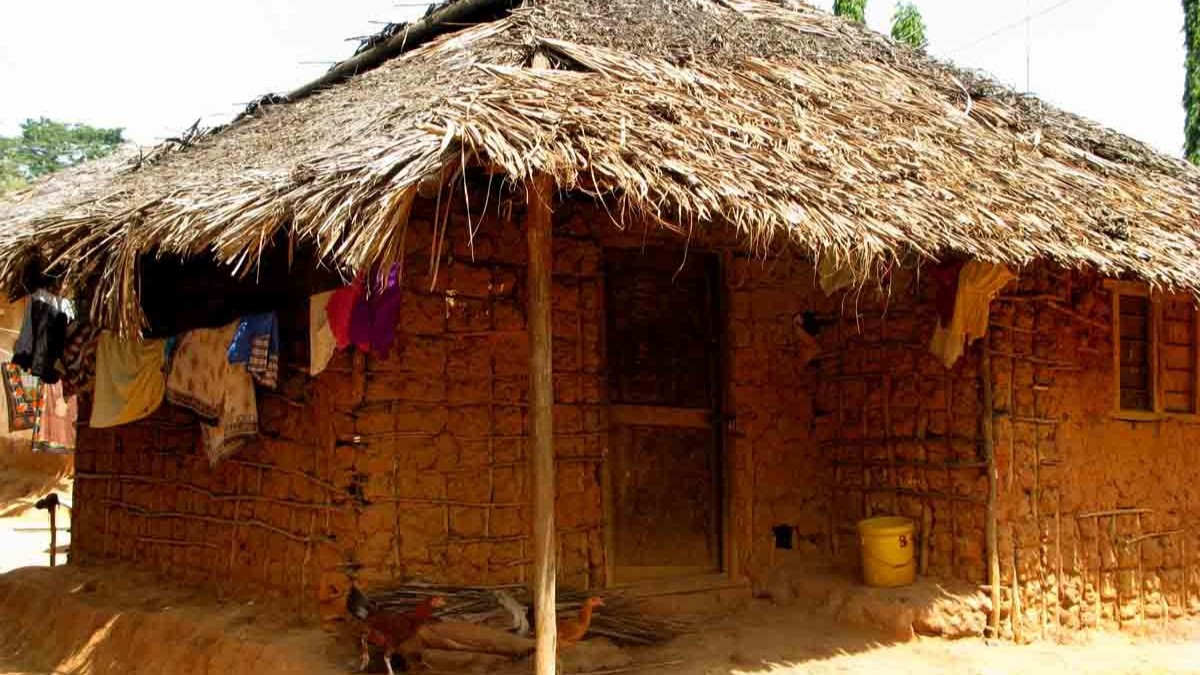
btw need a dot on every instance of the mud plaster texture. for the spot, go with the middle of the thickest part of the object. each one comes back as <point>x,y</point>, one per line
<point>412,467</point>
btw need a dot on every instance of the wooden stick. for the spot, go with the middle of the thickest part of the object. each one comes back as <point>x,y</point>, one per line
<point>989,449</point>
<point>53,534</point>
<point>541,397</point>
<point>1016,590</point>
<point>1058,558</point>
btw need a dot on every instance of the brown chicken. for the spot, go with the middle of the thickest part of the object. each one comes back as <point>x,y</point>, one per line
<point>389,630</point>
<point>571,631</point>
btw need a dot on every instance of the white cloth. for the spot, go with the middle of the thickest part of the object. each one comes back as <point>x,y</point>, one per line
<point>129,380</point>
<point>321,341</point>
<point>978,283</point>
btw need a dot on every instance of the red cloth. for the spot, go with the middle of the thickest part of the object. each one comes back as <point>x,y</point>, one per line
<point>340,309</point>
<point>945,280</point>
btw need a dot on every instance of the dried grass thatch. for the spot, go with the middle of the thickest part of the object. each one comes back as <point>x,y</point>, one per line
<point>787,124</point>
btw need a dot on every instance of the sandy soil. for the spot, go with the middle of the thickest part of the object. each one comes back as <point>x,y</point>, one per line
<point>24,530</point>
<point>766,639</point>
<point>50,620</point>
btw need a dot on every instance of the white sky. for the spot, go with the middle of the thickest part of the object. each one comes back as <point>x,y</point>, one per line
<point>154,66</point>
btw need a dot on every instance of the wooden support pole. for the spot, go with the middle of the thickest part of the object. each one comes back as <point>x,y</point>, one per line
<point>989,449</point>
<point>541,408</point>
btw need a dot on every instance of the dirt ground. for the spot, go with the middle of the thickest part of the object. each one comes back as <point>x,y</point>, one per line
<point>74,621</point>
<point>24,530</point>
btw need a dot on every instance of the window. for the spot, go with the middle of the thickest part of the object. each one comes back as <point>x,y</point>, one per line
<point>1156,357</point>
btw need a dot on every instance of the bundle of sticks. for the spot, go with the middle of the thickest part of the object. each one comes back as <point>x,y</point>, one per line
<point>508,608</point>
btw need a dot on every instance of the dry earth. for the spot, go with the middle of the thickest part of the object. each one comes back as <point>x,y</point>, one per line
<point>86,621</point>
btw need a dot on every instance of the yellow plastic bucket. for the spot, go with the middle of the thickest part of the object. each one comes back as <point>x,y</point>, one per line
<point>887,551</point>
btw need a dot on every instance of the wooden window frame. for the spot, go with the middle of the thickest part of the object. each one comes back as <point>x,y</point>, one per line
<point>1118,289</point>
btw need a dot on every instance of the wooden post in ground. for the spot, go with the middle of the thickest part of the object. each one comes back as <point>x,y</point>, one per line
<point>989,448</point>
<point>50,503</point>
<point>541,408</point>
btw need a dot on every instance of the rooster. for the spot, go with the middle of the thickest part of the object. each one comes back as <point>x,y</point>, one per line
<point>571,631</point>
<point>388,630</point>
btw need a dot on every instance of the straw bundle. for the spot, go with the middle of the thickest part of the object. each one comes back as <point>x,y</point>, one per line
<point>787,124</point>
<point>619,619</point>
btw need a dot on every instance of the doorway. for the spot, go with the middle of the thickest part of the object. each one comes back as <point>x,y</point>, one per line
<point>666,401</point>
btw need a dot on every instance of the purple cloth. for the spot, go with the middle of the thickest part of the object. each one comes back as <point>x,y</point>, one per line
<point>373,319</point>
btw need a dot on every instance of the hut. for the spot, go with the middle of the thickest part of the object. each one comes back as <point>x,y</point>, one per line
<point>683,282</point>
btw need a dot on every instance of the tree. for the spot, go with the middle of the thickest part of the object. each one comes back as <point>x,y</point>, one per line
<point>45,146</point>
<point>1191,88</point>
<point>854,10</point>
<point>908,26</point>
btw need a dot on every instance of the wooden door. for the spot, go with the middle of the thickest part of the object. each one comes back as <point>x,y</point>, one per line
<point>664,366</point>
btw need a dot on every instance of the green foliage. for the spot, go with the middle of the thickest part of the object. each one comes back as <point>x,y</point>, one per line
<point>855,10</point>
<point>1191,89</point>
<point>45,146</point>
<point>908,26</point>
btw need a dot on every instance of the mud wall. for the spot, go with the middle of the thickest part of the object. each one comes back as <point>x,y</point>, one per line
<point>1096,512</point>
<point>900,432</point>
<point>412,467</point>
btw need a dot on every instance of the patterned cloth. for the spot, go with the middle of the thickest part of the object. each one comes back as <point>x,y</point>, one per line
<point>255,343</point>
<point>54,428</point>
<point>264,362</point>
<point>129,381</point>
<point>221,393</point>
<point>321,341</point>
<point>79,357</point>
<point>21,392</point>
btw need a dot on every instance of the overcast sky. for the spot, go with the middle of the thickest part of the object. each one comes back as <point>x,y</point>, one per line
<point>154,66</point>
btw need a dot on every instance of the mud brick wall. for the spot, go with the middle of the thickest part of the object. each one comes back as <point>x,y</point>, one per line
<point>778,475</point>
<point>436,432</point>
<point>900,432</point>
<point>268,520</point>
<point>1096,512</point>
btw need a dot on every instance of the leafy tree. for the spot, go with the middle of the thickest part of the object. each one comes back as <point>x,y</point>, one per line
<point>1191,89</point>
<point>855,10</point>
<point>45,146</point>
<point>908,26</point>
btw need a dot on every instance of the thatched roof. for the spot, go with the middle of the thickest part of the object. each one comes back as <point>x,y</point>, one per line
<point>787,124</point>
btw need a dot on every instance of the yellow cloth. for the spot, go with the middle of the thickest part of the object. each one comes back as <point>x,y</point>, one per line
<point>222,393</point>
<point>321,342</point>
<point>833,277</point>
<point>129,380</point>
<point>978,283</point>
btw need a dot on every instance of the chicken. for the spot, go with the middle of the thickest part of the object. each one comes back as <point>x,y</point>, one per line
<point>571,631</point>
<point>389,630</point>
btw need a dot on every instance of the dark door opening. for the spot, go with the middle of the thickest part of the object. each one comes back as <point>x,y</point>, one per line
<point>663,329</point>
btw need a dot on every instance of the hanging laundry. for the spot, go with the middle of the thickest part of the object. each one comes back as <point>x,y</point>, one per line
<point>54,428</point>
<point>221,393</point>
<point>373,321</point>
<point>945,282</point>
<point>832,276</point>
<point>256,344</point>
<point>978,283</point>
<point>21,394</point>
<point>321,341</point>
<point>40,344</point>
<point>339,309</point>
<point>79,357</point>
<point>129,381</point>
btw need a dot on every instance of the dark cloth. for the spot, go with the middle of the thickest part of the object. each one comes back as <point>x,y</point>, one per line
<point>945,279</point>
<point>43,336</point>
